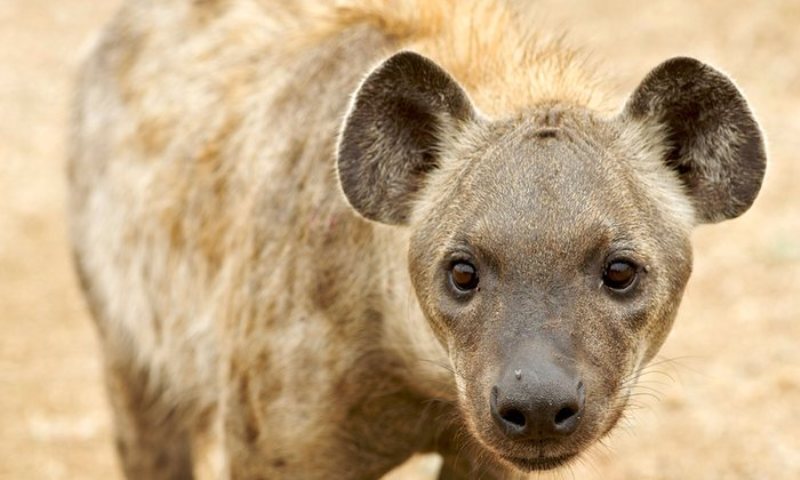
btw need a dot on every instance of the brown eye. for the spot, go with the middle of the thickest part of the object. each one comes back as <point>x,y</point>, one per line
<point>464,276</point>
<point>619,275</point>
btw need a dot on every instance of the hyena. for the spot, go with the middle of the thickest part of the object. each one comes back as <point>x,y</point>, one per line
<point>323,236</point>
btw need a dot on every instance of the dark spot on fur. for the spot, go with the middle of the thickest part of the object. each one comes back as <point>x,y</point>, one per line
<point>251,430</point>
<point>262,360</point>
<point>546,133</point>
<point>162,460</point>
<point>122,447</point>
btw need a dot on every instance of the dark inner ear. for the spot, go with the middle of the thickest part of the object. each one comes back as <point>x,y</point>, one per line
<point>712,140</point>
<point>415,127</point>
<point>392,135</point>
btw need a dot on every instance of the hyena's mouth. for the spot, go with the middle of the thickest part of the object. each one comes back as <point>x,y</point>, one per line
<point>540,463</point>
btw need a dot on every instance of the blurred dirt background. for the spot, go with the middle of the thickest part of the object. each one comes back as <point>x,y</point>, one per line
<point>726,403</point>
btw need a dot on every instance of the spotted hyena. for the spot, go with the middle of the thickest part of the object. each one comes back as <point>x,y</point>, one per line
<point>323,236</point>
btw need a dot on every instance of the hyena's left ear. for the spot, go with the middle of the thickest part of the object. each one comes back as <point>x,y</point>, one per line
<point>711,139</point>
<point>393,135</point>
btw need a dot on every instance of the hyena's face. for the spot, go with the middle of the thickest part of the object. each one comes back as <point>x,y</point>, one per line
<point>551,276</point>
<point>549,252</point>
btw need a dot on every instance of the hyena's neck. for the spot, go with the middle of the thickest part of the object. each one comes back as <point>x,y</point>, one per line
<point>406,331</point>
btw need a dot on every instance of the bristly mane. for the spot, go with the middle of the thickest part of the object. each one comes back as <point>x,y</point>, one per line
<point>491,47</point>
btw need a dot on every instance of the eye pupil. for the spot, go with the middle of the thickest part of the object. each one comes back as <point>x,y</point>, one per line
<point>619,275</point>
<point>464,276</point>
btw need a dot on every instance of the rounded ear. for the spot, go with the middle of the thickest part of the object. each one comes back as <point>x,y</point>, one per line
<point>392,135</point>
<point>710,138</point>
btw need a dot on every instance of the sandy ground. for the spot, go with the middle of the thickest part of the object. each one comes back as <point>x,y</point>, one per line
<point>727,403</point>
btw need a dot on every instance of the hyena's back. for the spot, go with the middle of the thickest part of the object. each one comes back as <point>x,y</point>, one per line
<point>201,172</point>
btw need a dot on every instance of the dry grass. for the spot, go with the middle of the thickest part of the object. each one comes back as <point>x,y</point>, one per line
<point>728,405</point>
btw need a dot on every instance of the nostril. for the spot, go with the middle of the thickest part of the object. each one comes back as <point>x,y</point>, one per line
<point>564,415</point>
<point>507,415</point>
<point>514,417</point>
<point>568,417</point>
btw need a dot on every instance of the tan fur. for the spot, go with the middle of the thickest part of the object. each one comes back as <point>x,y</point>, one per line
<point>497,51</point>
<point>242,304</point>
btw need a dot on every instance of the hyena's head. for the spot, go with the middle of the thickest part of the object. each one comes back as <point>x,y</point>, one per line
<point>549,251</point>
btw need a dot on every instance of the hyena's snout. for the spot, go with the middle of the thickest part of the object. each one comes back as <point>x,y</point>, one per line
<point>538,396</point>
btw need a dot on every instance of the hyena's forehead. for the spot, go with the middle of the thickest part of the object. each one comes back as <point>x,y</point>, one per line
<point>541,182</point>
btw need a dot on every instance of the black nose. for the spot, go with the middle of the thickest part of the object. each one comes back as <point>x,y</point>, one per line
<point>537,410</point>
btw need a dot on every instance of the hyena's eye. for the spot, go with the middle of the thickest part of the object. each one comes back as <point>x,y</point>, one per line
<point>464,276</point>
<point>619,275</point>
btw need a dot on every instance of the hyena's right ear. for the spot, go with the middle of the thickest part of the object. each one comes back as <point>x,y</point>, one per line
<point>393,133</point>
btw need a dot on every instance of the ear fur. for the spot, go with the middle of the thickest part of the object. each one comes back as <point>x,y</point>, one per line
<point>392,134</point>
<point>711,139</point>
